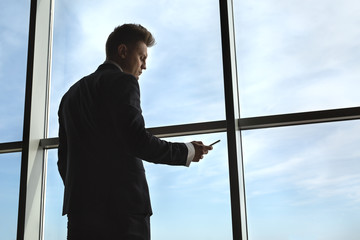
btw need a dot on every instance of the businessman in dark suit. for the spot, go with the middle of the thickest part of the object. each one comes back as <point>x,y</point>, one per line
<point>103,140</point>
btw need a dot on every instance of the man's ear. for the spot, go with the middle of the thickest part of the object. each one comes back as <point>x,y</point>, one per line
<point>122,51</point>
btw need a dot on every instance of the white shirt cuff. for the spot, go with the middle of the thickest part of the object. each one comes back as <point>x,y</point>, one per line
<point>191,153</point>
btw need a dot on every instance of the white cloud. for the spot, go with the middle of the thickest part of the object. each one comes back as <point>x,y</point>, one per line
<point>315,162</point>
<point>276,170</point>
<point>298,55</point>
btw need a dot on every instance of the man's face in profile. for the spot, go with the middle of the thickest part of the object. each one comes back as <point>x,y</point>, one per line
<point>135,59</point>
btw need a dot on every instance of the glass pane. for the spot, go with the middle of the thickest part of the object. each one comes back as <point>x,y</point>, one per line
<point>188,203</point>
<point>9,194</point>
<point>14,28</point>
<point>298,55</point>
<point>303,182</point>
<point>55,223</point>
<point>194,202</point>
<point>183,82</point>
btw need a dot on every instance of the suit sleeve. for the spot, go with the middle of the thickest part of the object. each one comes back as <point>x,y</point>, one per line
<point>130,127</point>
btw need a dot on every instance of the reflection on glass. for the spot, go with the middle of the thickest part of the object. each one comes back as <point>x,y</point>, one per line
<point>188,203</point>
<point>14,18</point>
<point>296,56</point>
<point>9,194</point>
<point>303,182</point>
<point>183,82</point>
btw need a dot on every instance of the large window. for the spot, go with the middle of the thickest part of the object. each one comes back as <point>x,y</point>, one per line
<point>303,182</point>
<point>286,168</point>
<point>14,27</point>
<point>296,56</point>
<point>183,82</point>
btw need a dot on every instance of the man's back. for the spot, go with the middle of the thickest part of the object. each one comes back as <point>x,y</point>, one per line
<point>94,160</point>
<point>102,137</point>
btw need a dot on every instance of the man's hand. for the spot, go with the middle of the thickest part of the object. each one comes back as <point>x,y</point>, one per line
<point>200,150</point>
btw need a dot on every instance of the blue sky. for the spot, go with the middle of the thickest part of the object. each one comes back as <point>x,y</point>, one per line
<point>301,182</point>
<point>297,55</point>
<point>14,20</point>
<point>305,180</point>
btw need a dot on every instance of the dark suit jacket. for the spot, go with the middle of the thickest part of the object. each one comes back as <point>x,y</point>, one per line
<point>102,139</point>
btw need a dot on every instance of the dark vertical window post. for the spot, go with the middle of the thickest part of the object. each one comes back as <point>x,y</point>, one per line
<point>33,160</point>
<point>237,189</point>
<point>26,127</point>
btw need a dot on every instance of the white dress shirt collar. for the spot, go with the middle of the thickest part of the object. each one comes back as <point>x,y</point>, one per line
<point>113,63</point>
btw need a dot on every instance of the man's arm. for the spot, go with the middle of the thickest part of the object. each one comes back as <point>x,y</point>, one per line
<point>122,100</point>
<point>130,127</point>
<point>62,150</point>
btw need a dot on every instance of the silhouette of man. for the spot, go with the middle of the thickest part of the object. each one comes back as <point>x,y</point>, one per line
<point>102,141</point>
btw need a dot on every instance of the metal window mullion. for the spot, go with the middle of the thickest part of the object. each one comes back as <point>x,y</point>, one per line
<point>237,188</point>
<point>10,147</point>
<point>291,119</point>
<point>50,14</point>
<point>33,160</point>
<point>26,126</point>
<point>251,123</point>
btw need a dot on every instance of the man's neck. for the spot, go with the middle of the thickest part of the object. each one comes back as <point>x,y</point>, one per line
<point>114,63</point>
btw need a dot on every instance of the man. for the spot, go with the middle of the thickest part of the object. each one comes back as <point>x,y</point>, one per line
<point>102,139</point>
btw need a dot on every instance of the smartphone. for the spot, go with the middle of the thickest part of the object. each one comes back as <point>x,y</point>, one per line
<point>214,143</point>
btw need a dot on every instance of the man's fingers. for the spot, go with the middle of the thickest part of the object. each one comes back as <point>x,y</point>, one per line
<point>206,149</point>
<point>200,150</point>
